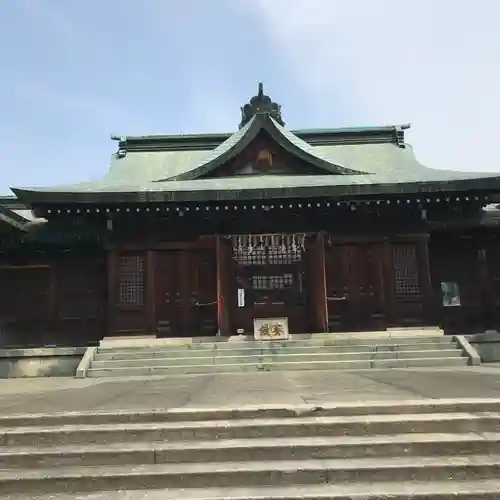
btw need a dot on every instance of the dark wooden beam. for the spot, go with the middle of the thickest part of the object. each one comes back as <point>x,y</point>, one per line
<point>389,280</point>
<point>318,288</point>
<point>112,269</point>
<point>223,254</point>
<point>424,268</point>
<point>150,295</point>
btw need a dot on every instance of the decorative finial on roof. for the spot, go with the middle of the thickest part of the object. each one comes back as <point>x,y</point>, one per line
<point>260,103</point>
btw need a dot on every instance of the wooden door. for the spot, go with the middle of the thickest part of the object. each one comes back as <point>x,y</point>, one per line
<point>355,287</point>
<point>201,293</point>
<point>412,285</point>
<point>169,293</point>
<point>186,293</point>
<point>368,287</point>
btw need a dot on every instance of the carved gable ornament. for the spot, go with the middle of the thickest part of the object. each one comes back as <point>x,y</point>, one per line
<point>261,162</point>
<point>260,103</point>
<point>264,158</point>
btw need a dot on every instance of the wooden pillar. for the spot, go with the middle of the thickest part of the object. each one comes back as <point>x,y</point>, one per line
<point>150,296</point>
<point>53,296</point>
<point>223,290</point>
<point>424,270</point>
<point>390,293</point>
<point>318,289</point>
<point>485,285</point>
<point>185,288</point>
<point>112,269</point>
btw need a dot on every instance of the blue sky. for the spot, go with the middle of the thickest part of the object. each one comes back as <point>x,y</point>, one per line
<point>75,72</point>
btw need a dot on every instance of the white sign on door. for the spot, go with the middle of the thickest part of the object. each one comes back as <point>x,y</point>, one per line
<point>241,297</point>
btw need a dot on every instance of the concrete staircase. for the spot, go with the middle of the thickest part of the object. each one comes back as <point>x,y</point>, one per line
<point>432,450</point>
<point>328,352</point>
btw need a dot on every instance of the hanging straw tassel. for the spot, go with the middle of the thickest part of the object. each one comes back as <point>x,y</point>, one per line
<point>250,244</point>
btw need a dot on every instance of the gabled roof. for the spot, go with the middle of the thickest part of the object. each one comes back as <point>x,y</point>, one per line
<point>236,143</point>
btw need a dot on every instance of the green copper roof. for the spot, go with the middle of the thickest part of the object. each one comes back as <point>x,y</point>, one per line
<point>380,166</point>
<point>241,139</point>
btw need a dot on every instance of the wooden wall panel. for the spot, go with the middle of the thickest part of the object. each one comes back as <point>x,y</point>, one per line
<point>81,287</point>
<point>81,304</point>
<point>25,292</point>
<point>455,260</point>
<point>489,256</point>
<point>57,300</point>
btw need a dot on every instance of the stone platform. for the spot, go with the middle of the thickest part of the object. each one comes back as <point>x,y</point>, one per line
<point>398,348</point>
<point>242,389</point>
<point>425,449</point>
<point>367,435</point>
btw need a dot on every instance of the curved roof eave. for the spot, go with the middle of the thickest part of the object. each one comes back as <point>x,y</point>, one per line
<point>12,219</point>
<point>241,139</point>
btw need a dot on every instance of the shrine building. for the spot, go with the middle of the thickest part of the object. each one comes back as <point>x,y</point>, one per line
<point>336,230</point>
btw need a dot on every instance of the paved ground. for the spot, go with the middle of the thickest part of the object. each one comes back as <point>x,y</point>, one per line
<point>234,390</point>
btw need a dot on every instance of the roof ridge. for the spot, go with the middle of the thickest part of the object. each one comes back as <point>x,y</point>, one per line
<point>301,131</point>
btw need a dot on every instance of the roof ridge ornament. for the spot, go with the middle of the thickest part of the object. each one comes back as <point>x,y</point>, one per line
<point>260,103</point>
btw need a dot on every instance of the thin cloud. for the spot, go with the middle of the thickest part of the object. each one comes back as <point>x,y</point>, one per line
<point>50,18</point>
<point>434,64</point>
<point>88,108</point>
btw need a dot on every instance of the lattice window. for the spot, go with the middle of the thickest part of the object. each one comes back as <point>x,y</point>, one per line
<point>284,255</point>
<point>255,256</point>
<point>131,280</point>
<point>272,282</point>
<point>405,269</point>
<point>269,255</point>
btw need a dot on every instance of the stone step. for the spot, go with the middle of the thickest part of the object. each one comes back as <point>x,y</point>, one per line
<point>404,445</point>
<point>486,489</point>
<point>212,430</point>
<point>273,358</point>
<point>109,371</point>
<point>332,340</point>
<point>475,406</point>
<point>238,474</point>
<point>148,353</point>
